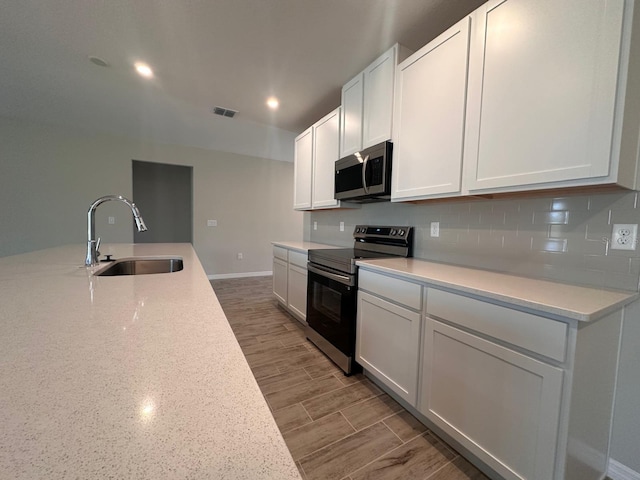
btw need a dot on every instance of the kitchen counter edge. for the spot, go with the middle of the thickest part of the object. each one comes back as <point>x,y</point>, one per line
<point>580,303</point>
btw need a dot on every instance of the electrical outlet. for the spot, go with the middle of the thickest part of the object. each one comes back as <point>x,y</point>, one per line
<point>112,220</point>
<point>624,236</point>
<point>212,223</point>
<point>342,226</point>
<point>435,229</point>
<point>240,256</point>
<point>315,225</point>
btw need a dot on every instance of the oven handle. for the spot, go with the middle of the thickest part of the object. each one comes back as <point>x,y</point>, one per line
<point>344,279</point>
<point>364,174</point>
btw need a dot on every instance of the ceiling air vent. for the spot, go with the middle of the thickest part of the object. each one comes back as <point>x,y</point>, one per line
<point>225,112</point>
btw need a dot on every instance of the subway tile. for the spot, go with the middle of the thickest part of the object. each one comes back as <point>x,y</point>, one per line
<point>550,244</point>
<point>598,229</point>
<point>493,218</point>
<point>620,281</point>
<point>634,266</point>
<point>606,201</point>
<point>574,203</point>
<point>535,204</point>
<point>491,241</point>
<point>608,263</point>
<point>551,218</point>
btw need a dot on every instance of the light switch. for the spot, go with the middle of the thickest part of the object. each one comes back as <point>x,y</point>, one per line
<point>342,226</point>
<point>435,229</point>
<point>112,220</point>
<point>212,223</point>
<point>315,225</point>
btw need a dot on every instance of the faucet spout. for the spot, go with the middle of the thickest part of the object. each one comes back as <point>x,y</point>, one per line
<point>92,243</point>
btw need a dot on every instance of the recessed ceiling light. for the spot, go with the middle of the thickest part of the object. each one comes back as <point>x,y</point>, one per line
<point>98,61</point>
<point>143,69</point>
<point>272,103</point>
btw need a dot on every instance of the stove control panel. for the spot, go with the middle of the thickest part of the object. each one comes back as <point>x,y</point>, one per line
<point>370,232</point>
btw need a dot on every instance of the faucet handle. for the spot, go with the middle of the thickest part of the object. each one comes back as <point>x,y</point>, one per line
<point>97,247</point>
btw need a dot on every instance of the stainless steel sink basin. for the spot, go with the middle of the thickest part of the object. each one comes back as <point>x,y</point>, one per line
<point>142,266</point>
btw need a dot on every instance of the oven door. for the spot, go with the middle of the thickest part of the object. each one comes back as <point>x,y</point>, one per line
<point>331,307</point>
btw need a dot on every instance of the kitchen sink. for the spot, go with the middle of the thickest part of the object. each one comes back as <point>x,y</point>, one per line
<point>142,266</point>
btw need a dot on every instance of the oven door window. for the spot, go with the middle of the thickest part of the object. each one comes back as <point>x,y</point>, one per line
<point>331,309</point>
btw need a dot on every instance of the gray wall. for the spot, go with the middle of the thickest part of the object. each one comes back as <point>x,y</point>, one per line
<point>49,176</point>
<point>552,237</point>
<point>165,194</point>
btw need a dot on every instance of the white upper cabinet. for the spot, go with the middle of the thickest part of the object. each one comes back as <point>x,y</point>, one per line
<point>326,152</point>
<point>316,151</point>
<point>351,121</point>
<point>542,109</point>
<point>378,99</point>
<point>302,170</point>
<point>367,103</point>
<point>429,118</point>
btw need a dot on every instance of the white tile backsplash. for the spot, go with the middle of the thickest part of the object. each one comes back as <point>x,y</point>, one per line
<point>561,238</point>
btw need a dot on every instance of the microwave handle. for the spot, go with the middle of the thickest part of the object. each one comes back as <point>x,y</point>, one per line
<point>364,174</point>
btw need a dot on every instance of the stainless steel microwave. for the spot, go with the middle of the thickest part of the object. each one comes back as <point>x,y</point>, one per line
<point>365,176</point>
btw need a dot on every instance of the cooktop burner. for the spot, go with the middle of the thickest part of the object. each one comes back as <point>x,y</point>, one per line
<point>370,242</point>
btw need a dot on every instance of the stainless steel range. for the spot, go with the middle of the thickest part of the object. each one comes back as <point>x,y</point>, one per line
<point>332,288</point>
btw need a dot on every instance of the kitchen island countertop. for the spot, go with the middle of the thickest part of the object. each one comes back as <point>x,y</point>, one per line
<point>136,377</point>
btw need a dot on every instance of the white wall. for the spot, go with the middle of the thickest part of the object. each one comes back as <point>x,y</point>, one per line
<point>50,175</point>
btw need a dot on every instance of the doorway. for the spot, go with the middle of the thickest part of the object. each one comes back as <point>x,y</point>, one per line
<point>164,195</point>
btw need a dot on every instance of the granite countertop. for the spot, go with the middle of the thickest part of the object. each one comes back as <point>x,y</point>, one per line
<point>302,247</point>
<point>136,377</point>
<point>547,297</point>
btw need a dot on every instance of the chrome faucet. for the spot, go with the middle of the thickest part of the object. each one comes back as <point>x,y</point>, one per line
<point>92,243</point>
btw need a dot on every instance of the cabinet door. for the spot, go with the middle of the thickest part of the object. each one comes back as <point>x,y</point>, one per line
<point>326,152</point>
<point>501,405</point>
<point>302,170</point>
<point>351,117</point>
<point>280,268</point>
<point>429,117</point>
<point>542,87</point>
<point>387,343</point>
<point>297,291</point>
<point>378,99</point>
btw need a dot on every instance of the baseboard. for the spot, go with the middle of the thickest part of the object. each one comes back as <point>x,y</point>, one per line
<point>221,276</point>
<point>618,471</point>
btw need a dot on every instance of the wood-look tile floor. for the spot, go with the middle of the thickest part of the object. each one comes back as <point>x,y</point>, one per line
<point>336,427</point>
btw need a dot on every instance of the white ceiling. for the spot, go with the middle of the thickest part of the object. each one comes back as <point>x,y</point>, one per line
<point>231,53</point>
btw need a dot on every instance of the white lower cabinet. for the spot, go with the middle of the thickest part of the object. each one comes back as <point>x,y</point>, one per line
<point>528,395</point>
<point>290,280</point>
<point>388,334</point>
<point>297,285</point>
<point>280,274</point>
<point>501,405</point>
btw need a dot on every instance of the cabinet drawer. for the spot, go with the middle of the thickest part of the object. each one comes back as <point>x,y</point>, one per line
<point>399,291</point>
<point>280,253</point>
<point>534,333</point>
<point>297,258</point>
